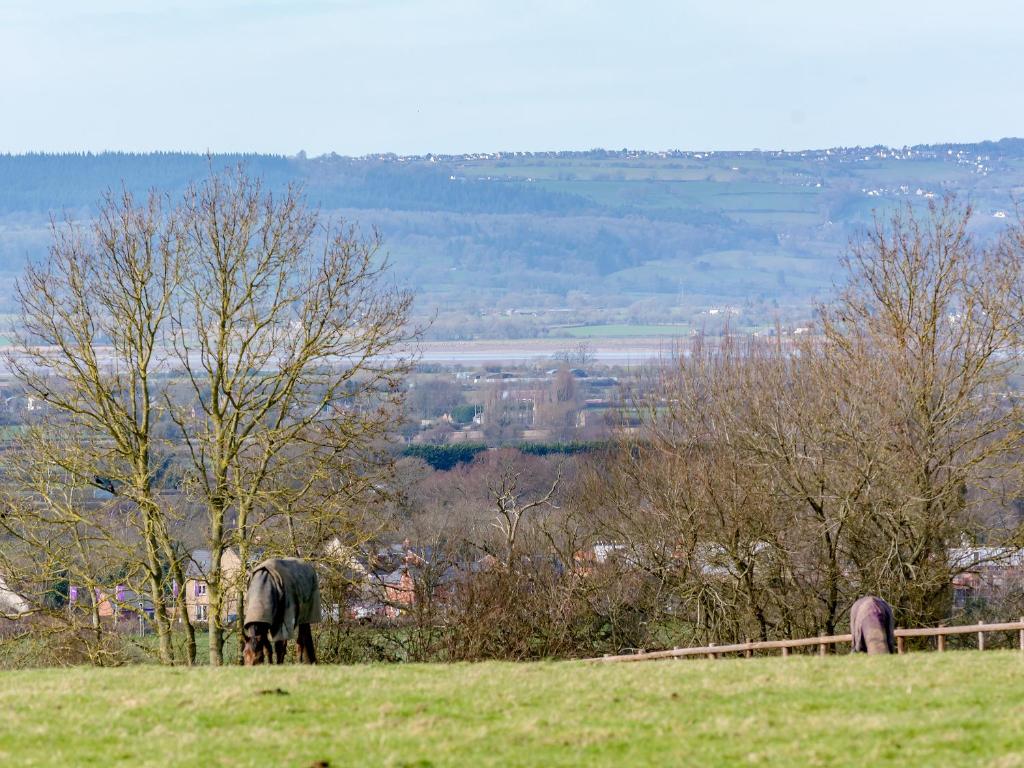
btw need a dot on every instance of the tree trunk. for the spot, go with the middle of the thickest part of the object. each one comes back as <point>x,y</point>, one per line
<point>214,593</point>
<point>156,587</point>
<point>243,555</point>
<point>180,605</point>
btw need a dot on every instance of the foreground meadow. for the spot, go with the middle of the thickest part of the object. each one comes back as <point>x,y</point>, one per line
<point>962,708</point>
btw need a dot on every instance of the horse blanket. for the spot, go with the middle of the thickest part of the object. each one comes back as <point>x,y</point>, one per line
<point>284,593</point>
<point>871,619</point>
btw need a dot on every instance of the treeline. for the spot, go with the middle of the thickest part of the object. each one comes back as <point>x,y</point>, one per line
<point>445,457</point>
<point>44,182</point>
<point>448,456</point>
<point>98,494</point>
<point>764,485</point>
<point>462,241</point>
<point>767,486</point>
<point>51,182</point>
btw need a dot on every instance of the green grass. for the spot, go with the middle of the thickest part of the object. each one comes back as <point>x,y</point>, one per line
<point>959,709</point>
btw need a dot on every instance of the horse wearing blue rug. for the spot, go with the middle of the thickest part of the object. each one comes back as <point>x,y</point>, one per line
<point>282,600</point>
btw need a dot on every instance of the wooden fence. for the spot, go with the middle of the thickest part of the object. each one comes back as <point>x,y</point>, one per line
<point>824,641</point>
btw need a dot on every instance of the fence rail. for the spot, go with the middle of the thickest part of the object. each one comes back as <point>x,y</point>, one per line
<point>823,642</point>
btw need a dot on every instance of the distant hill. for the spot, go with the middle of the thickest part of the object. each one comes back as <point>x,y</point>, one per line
<point>494,242</point>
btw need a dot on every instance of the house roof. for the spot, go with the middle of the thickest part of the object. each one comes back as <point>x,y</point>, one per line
<point>392,578</point>
<point>199,561</point>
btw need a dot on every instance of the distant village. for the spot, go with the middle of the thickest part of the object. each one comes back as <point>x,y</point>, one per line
<point>569,405</point>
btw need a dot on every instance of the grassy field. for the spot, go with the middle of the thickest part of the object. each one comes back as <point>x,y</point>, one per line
<point>920,709</point>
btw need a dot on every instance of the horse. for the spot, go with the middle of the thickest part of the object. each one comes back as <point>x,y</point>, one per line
<point>872,626</point>
<point>282,600</point>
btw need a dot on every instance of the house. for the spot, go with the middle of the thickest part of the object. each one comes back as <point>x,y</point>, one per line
<point>388,582</point>
<point>984,572</point>
<point>587,561</point>
<point>11,603</point>
<point>397,590</point>
<point>346,557</point>
<point>400,578</point>
<point>197,599</point>
<point>403,576</point>
<point>122,602</point>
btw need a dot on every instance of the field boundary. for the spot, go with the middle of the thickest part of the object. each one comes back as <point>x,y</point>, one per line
<point>822,642</point>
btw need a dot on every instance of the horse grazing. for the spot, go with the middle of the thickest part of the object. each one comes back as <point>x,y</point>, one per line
<point>872,626</point>
<point>283,599</point>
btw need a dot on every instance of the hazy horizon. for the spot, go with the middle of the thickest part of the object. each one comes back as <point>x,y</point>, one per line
<point>504,150</point>
<point>418,76</point>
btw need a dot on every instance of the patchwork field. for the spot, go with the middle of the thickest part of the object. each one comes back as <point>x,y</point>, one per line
<point>920,709</point>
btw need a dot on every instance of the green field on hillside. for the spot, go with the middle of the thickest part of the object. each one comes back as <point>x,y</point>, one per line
<point>635,235</point>
<point>962,708</point>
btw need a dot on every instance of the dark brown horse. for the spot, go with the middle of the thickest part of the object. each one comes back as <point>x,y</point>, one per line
<point>283,599</point>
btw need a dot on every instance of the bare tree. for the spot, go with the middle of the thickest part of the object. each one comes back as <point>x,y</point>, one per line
<point>288,343</point>
<point>582,354</point>
<point>291,340</point>
<point>93,319</point>
<point>926,329</point>
<point>512,507</point>
<point>773,482</point>
<point>559,407</point>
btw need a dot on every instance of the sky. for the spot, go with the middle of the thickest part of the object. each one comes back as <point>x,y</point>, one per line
<point>449,76</point>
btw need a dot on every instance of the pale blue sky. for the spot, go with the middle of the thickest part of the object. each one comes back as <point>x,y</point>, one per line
<point>414,76</point>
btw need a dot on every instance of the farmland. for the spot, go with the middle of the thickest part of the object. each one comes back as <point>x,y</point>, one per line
<point>492,242</point>
<point>960,708</point>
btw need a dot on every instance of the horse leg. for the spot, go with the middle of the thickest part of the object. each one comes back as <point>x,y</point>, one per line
<point>307,652</point>
<point>281,648</point>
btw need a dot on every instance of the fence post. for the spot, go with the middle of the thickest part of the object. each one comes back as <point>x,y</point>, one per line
<point>749,652</point>
<point>981,637</point>
<point>901,645</point>
<point>785,650</point>
<point>1022,634</point>
<point>941,642</point>
<point>822,647</point>
<point>712,654</point>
